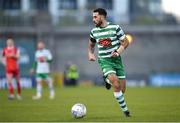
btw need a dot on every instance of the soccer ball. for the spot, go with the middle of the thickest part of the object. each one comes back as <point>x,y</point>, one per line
<point>78,110</point>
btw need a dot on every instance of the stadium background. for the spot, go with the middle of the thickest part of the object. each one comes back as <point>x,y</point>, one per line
<point>65,24</point>
<point>152,59</point>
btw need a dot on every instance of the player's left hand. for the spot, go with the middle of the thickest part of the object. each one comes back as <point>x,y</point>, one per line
<point>115,54</point>
<point>31,71</point>
<point>4,62</point>
<point>92,57</point>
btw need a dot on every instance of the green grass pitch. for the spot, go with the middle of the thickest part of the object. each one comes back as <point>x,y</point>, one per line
<point>145,104</point>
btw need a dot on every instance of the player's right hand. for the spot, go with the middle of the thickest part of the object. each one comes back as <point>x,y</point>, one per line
<point>115,54</point>
<point>31,71</point>
<point>92,57</point>
<point>4,61</point>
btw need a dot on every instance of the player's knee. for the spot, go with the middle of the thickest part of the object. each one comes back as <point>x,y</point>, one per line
<point>113,78</point>
<point>116,87</point>
<point>49,80</point>
<point>38,80</point>
<point>115,82</point>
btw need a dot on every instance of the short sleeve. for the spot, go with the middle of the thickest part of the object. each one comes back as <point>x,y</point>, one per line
<point>120,33</point>
<point>49,55</point>
<point>92,39</point>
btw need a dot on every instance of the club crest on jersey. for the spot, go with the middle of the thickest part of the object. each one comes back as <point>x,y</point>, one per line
<point>106,42</point>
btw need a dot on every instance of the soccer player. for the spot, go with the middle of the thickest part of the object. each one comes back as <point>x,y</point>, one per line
<point>111,42</point>
<point>10,58</point>
<point>41,66</point>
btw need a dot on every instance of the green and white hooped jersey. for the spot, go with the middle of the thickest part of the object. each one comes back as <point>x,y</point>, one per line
<point>43,66</point>
<point>107,39</point>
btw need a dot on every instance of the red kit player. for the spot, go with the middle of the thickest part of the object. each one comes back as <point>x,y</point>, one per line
<point>10,58</point>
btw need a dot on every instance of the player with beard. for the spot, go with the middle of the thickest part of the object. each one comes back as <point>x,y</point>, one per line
<point>41,67</point>
<point>111,42</point>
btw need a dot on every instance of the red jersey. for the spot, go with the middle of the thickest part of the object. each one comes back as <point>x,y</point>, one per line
<point>11,63</point>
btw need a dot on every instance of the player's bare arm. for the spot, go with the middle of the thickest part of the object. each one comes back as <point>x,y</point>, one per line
<point>4,60</point>
<point>32,70</point>
<point>91,49</point>
<point>123,46</point>
<point>17,55</point>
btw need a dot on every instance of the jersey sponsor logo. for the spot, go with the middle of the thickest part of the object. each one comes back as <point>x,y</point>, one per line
<point>106,42</point>
<point>41,59</point>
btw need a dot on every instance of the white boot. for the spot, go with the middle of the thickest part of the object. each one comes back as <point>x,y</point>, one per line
<point>36,97</point>
<point>18,97</point>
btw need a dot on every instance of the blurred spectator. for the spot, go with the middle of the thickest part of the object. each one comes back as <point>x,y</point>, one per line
<point>71,75</point>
